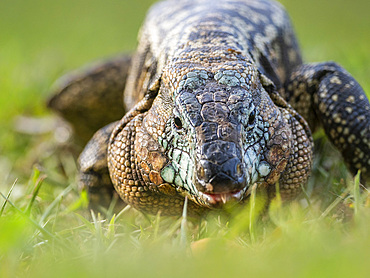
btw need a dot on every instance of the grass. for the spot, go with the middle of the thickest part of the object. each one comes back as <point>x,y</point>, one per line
<point>45,228</point>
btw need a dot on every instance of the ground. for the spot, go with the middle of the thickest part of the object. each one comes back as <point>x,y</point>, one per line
<point>49,231</point>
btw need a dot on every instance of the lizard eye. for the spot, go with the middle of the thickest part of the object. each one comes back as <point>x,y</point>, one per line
<point>251,119</point>
<point>178,123</point>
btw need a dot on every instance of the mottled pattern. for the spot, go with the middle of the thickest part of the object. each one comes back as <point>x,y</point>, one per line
<point>219,101</point>
<point>213,129</point>
<point>326,95</point>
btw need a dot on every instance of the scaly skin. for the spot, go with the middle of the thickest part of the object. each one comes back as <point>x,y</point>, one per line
<point>216,125</point>
<point>218,101</point>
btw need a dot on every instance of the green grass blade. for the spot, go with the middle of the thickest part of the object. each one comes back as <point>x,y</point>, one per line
<point>184,222</point>
<point>111,228</point>
<point>334,204</point>
<point>156,225</point>
<point>123,211</point>
<point>38,182</point>
<point>57,200</point>
<point>252,213</point>
<point>7,197</point>
<point>112,205</point>
<point>356,193</point>
<point>87,223</point>
<point>45,232</point>
<point>81,202</point>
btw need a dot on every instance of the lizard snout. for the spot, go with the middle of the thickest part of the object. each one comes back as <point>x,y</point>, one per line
<point>220,184</point>
<point>219,170</point>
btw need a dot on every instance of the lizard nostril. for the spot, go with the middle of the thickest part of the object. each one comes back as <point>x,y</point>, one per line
<point>201,173</point>
<point>239,170</point>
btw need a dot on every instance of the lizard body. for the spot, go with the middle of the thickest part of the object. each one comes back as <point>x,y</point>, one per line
<point>218,100</point>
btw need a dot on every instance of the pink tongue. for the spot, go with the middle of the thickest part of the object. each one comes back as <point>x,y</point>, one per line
<point>223,197</point>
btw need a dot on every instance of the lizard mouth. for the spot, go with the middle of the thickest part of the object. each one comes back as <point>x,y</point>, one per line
<point>219,199</point>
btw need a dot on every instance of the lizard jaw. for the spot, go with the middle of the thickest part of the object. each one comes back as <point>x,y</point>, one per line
<point>216,199</point>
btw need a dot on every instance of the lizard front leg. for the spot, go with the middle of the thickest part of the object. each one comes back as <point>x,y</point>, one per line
<point>93,170</point>
<point>328,96</point>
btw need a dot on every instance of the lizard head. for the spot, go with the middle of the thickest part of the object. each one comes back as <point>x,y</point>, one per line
<point>219,135</point>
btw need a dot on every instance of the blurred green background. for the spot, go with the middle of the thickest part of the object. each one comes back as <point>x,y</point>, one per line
<point>42,39</point>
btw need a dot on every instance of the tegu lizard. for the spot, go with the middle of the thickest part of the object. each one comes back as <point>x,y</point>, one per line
<point>216,100</point>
